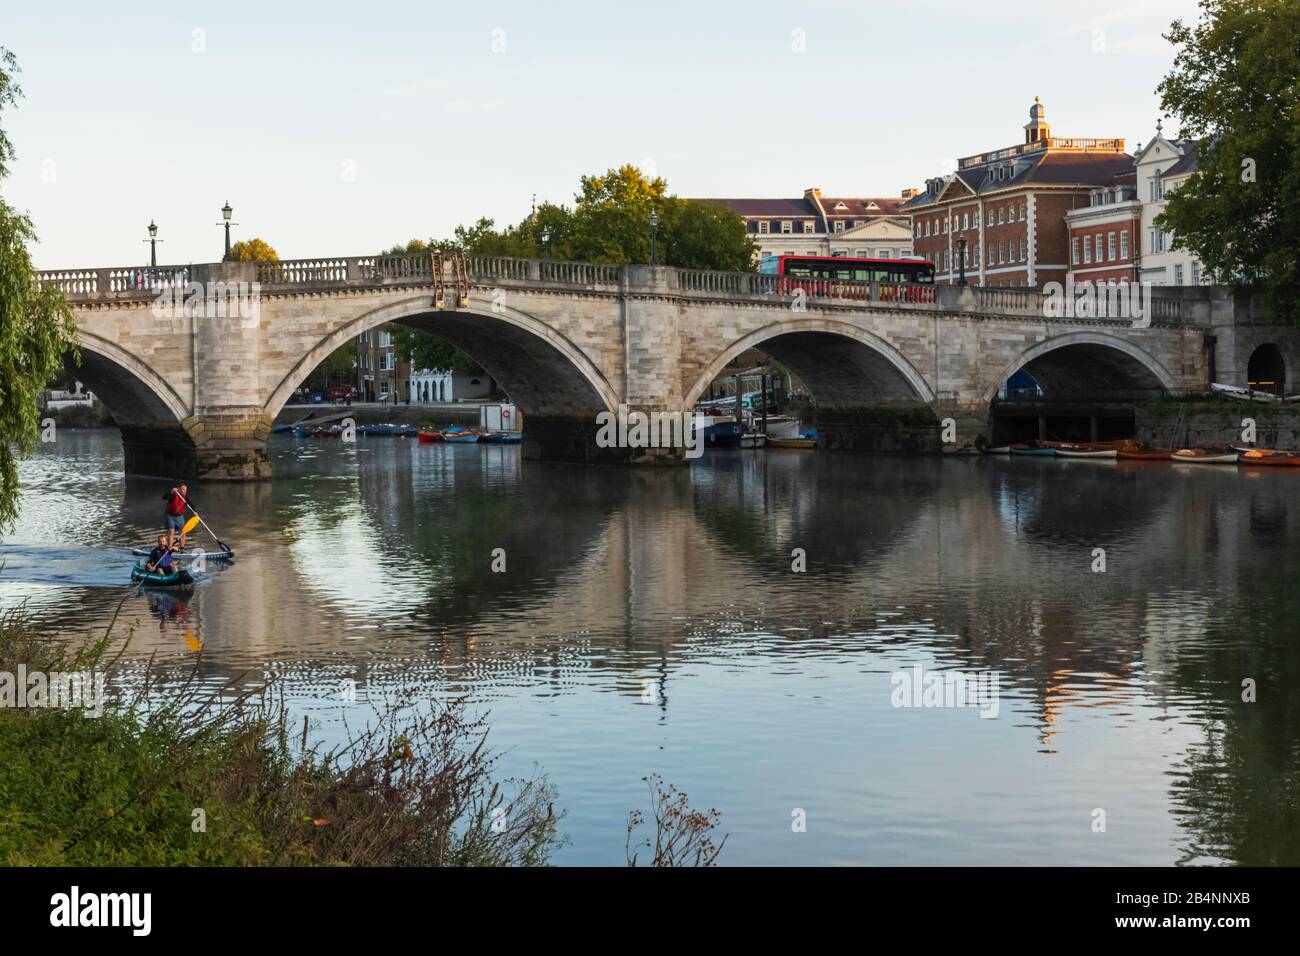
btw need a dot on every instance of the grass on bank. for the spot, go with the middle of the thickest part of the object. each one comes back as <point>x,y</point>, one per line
<point>199,778</point>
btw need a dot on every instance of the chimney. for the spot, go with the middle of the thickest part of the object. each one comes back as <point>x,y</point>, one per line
<point>909,193</point>
<point>812,191</point>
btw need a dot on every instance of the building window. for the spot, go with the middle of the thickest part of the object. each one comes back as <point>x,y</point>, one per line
<point>945,225</point>
<point>1110,246</point>
<point>385,340</point>
<point>1196,272</point>
<point>990,217</point>
<point>1087,250</point>
<point>762,227</point>
<point>1024,250</point>
<point>807,225</point>
<point>1157,187</point>
<point>992,252</point>
<point>885,254</point>
<point>1074,251</point>
<point>1022,212</point>
<point>1001,215</point>
<point>905,253</point>
<point>1178,275</point>
<point>1123,245</point>
<point>965,221</point>
<point>787,227</point>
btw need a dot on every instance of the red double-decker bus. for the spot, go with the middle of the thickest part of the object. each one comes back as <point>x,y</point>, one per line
<point>844,269</point>
<point>839,277</point>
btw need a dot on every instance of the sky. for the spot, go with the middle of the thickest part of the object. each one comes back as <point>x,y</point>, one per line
<point>337,129</point>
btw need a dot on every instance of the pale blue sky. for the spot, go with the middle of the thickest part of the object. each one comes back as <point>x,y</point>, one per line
<point>339,128</point>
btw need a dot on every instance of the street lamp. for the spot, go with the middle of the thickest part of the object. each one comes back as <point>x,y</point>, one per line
<point>546,242</point>
<point>654,228</point>
<point>153,241</point>
<point>961,261</point>
<point>225,216</point>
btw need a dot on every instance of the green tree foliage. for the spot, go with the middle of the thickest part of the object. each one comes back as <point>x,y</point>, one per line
<point>1235,87</point>
<point>339,368</point>
<point>36,325</point>
<point>253,250</point>
<point>608,223</point>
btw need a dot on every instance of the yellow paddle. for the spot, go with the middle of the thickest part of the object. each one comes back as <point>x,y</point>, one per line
<point>189,526</point>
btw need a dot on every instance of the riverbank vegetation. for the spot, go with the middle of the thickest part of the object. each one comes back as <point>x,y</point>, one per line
<point>36,324</point>
<point>179,773</point>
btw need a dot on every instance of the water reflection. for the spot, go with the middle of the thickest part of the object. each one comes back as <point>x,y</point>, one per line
<point>651,621</point>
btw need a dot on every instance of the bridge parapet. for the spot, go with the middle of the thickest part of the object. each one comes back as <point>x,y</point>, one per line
<point>1173,306</point>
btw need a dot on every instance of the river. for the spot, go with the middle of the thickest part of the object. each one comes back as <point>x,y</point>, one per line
<point>651,621</point>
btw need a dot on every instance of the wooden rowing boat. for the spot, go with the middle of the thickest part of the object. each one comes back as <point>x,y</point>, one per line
<point>1269,456</point>
<point>1140,453</point>
<point>1206,456</point>
<point>807,443</point>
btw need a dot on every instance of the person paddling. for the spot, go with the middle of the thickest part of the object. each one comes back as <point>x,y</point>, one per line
<point>160,558</point>
<point>174,515</point>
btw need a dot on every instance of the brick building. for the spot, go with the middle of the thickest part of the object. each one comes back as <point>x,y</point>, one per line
<point>1010,206</point>
<point>1105,235</point>
<point>815,225</point>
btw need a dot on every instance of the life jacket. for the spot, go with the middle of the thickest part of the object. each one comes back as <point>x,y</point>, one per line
<point>175,505</point>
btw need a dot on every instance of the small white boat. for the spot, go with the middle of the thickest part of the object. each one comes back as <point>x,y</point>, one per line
<point>1243,394</point>
<point>998,450</point>
<point>1200,456</point>
<point>780,426</point>
<point>1067,452</point>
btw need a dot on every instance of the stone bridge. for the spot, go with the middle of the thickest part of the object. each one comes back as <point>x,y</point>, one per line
<point>195,390</point>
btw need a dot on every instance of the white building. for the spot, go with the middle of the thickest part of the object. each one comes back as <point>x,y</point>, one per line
<point>814,225</point>
<point>428,385</point>
<point>1162,166</point>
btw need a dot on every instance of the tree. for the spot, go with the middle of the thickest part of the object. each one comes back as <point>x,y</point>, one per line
<point>610,223</point>
<point>1235,87</point>
<point>37,330</point>
<point>253,250</point>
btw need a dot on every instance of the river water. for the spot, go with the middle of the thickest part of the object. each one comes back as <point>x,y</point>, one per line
<point>651,621</point>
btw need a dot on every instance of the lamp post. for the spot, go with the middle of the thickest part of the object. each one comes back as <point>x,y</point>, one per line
<point>225,217</point>
<point>153,241</point>
<point>654,229</point>
<point>546,242</point>
<point>961,261</point>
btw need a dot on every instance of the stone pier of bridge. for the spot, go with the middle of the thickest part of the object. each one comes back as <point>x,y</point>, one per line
<point>196,362</point>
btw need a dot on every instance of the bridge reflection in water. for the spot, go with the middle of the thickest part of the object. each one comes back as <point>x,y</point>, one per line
<point>650,621</point>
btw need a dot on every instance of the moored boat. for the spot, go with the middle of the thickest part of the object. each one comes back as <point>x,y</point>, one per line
<point>1206,456</point>
<point>460,436</point>
<point>1270,456</point>
<point>1034,450</point>
<point>501,438</point>
<point>753,440</point>
<point>997,449</point>
<point>806,443</point>
<point>179,578</point>
<point>1067,450</point>
<point>427,437</point>
<point>723,434</point>
<point>1142,453</point>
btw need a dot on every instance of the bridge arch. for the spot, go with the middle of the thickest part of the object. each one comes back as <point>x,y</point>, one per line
<point>541,370</point>
<point>128,387</point>
<point>842,365</point>
<point>1085,361</point>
